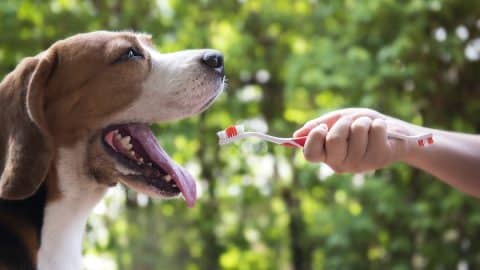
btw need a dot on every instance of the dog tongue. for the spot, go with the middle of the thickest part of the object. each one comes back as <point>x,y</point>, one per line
<point>182,177</point>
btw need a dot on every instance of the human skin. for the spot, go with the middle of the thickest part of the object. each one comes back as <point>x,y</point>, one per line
<point>355,140</point>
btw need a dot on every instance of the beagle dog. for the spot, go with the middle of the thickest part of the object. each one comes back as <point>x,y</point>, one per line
<point>75,121</point>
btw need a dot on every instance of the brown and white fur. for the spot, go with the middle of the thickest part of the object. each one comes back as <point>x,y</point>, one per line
<point>55,108</point>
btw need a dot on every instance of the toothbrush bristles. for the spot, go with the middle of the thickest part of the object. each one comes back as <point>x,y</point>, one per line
<point>421,143</point>
<point>231,131</point>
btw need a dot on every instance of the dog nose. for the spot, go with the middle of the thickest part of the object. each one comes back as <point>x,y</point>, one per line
<point>213,60</point>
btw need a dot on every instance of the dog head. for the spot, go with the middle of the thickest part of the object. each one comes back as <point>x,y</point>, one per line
<point>93,96</point>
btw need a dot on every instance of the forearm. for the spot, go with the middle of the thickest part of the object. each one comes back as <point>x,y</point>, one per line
<point>356,140</point>
<point>454,158</point>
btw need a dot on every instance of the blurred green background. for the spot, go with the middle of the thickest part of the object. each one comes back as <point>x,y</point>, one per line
<point>263,206</point>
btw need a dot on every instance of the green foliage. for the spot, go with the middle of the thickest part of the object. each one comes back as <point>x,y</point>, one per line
<point>264,207</point>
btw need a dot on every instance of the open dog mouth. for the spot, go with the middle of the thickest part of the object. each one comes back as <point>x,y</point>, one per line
<point>135,146</point>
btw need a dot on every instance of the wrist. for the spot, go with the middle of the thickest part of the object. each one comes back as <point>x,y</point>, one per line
<point>412,155</point>
<point>415,153</point>
<point>409,150</point>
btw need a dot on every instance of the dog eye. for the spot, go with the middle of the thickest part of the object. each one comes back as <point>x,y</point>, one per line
<point>130,54</point>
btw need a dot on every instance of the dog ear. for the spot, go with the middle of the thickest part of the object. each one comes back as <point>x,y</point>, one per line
<point>26,147</point>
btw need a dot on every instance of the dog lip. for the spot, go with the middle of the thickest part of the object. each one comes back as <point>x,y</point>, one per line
<point>217,93</point>
<point>209,102</point>
<point>148,186</point>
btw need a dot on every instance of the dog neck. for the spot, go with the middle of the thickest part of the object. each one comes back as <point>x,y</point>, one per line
<point>65,218</point>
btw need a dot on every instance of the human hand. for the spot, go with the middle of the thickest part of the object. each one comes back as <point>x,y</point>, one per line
<point>355,140</point>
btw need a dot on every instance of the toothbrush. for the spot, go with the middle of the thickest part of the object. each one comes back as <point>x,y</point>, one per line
<point>235,133</point>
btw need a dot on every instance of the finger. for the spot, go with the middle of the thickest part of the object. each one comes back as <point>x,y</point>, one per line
<point>329,119</point>
<point>358,140</point>
<point>377,149</point>
<point>336,142</point>
<point>314,150</point>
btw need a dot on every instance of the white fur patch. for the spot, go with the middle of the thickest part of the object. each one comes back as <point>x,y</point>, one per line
<point>65,219</point>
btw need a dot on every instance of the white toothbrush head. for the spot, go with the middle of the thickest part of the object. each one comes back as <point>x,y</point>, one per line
<point>228,135</point>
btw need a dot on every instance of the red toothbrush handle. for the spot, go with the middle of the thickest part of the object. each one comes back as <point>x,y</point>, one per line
<point>298,140</point>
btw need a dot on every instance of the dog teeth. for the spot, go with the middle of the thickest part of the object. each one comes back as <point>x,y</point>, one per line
<point>140,161</point>
<point>149,164</point>
<point>174,185</point>
<point>125,141</point>
<point>168,178</point>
